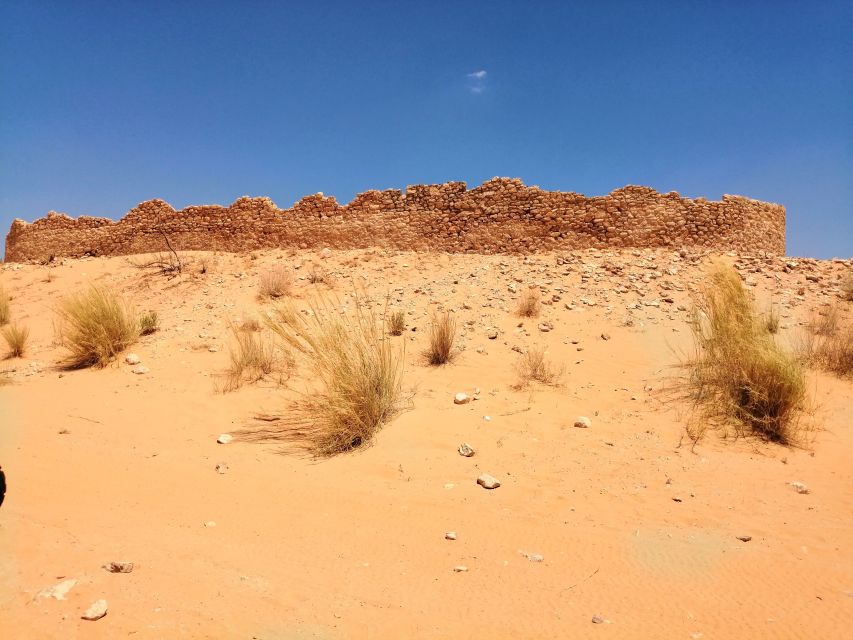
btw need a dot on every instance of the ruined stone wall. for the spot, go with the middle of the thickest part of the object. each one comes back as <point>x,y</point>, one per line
<point>500,216</point>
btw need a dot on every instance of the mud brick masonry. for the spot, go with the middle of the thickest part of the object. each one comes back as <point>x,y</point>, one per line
<point>500,216</point>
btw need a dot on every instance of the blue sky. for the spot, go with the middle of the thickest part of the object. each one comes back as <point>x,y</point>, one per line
<point>106,104</point>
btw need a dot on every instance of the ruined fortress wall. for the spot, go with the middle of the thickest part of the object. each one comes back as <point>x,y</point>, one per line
<point>500,216</point>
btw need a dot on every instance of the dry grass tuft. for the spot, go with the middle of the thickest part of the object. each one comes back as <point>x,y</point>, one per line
<point>829,346</point>
<point>442,334</point>
<point>5,311</point>
<point>534,367</point>
<point>318,275</point>
<point>95,325</point>
<point>149,323</point>
<point>825,322</point>
<point>276,283</point>
<point>739,375</point>
<point>847,287</point>
<point>250,324</point>
<point>16,338</point>
<point>358,373</point>
<point>397,323</point>
<point>253,357</point>
<point>771,321</point>
<point>528,304</point>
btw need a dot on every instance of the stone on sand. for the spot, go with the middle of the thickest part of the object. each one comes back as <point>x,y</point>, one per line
<point>96,611</point>
<point>488,482</point>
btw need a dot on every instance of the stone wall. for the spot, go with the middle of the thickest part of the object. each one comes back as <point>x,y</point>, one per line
<point>500,216</point>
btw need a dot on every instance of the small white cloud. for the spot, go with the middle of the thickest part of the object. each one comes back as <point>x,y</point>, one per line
<point>477,81</point>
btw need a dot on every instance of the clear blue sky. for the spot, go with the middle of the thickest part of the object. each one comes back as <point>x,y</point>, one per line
<point>106,104</point>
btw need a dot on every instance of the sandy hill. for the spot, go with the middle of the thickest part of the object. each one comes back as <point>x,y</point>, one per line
<point>619,530</point>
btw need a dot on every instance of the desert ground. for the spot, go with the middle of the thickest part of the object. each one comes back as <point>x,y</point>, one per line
<point>624,529</point>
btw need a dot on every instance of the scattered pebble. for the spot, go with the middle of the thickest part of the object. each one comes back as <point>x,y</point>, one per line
<point>221,468</point>
<point>800,487</point>
<point>97,611</point>
<point>140,370</point>
<point>492,334</point>
<point>533,557</point>
<point>466,450</point>
<point>744,538</point>
<point>461,398</point>
<point>225,438</point>
<point>450,535</point>
<point>210,523</point>
<point>460,568</point>
<point>596,619</point>
<point>119,567</point>
<point>488,482</point>
<point>582,422</point>
<point>605,336</point>
<point>131,358</point>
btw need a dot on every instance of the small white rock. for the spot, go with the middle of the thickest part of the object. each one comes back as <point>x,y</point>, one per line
<point>466,450</point>
<point>97,611</point>
<point>488,482</point>
<point>450,535</point>
<point>131,358</point>
<point>461,398</point>
<point>460,568</point>
<point>582,422</point>
<point>225,438</point>
<point>800,487</point>
<point>140,370</point>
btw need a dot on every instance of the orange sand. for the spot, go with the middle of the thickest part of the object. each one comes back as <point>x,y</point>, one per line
<point>105,465</point>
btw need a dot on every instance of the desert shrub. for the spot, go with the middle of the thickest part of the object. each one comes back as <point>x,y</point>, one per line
<point>397,323</point>
<point>830,348</point>
<point>739,375</point>
<point>835,353</point>
<point>847,287</point>
<point>276,282</point>
<point>5,311</point>
<point>16,338</point>
<point>357,373</point>
<point>535,367</point>
<point>149,323</point>
<point>825,322</point>
<point>94,326</point>
<point>318,275</point>
<point>528,304</point>
<point>442,334</point>
<point>250,324</point>
<point>252,357</point>
<point>771,321</point>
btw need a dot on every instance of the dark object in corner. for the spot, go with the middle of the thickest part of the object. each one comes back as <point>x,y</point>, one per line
<point>2,486</point>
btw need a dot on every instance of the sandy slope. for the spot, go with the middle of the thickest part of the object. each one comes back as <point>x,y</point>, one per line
<point>106,465</point>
